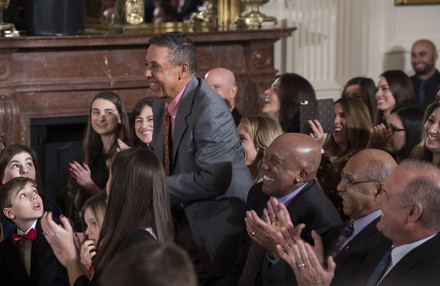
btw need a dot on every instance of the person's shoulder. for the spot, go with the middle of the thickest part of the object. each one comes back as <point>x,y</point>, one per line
<point>136,236</point>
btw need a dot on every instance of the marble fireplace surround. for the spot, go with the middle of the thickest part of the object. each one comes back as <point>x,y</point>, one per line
<point>56,77</point>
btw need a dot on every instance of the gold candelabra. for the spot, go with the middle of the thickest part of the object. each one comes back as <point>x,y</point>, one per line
<point>206,17</point>
<point>255,19</point>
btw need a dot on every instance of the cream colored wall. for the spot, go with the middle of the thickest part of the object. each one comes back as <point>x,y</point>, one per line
<point>339,39</point>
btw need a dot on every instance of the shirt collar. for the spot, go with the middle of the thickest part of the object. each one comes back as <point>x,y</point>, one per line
<point>398,252</point>
<point>287,198</point>
<point>173,105</point>
<point>19,231</point>
<point>360,223</point>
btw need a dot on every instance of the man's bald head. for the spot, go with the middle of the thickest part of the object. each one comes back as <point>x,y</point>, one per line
<point>423,57</point>
<point>222,80</point>
<point>376,163</point>
<point>290,161</point>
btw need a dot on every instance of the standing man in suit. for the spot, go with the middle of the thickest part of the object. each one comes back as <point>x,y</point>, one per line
<point>289,169</point>
<point>409,200</point>
<point>222,80</point>
<point>208,181</point>
<point>427,77</point>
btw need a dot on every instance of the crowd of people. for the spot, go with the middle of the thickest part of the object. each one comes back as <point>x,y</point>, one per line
<point>185,190</point>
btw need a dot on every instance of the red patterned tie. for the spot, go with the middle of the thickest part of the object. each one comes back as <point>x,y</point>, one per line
<point>167,141</point>
<point>17,238</point>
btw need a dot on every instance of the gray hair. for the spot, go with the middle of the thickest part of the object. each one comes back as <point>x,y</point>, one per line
<point>423,189</point>
<point>180,49</point>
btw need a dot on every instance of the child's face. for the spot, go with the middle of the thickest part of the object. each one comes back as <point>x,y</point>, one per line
<point>27,206</point>
<point>92,230</point>
<point>21,165</point>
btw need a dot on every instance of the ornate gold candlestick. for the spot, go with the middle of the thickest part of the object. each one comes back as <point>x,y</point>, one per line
<point>255,18</point>
<point>6,29</point>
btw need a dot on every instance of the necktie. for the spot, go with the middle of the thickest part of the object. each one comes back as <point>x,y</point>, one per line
<point>380,269</point>
<point>167,141</point>
<point>345,234</point>
<point>252,265</point>
<point>17,238</point>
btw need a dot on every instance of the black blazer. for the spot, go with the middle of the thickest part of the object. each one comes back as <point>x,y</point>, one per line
<point>421,266</point>
<point>352,257</point>
<point>45,268</point>
<point>310,206</point>
<point>236,115</point>
<point>434,82</point>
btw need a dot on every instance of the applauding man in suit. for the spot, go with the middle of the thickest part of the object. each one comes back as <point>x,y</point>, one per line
<point>409,200</point>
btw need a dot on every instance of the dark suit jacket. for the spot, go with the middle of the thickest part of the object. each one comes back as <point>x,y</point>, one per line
<point>351,258</point>
<point>208,172</point>
<point>309,206</point>
<point>133,238</point>
<point>433,83</point>
<point>236,115</point>
<point>419,267</point>
<point>45,268</point>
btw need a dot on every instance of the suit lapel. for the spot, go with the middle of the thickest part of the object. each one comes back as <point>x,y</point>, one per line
<point>363,234</point>
<point>157,143</point>
<point>301,193</point>
<point>180,124</point>
<point>185,106</point>
<point>16,267</point>
<point>413,257</point>
<point>39,246</point>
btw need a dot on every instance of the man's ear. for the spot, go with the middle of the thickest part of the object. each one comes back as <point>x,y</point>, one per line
<point>184,70</point>
<point>303,174</point>
<point>415,213</point>
<point>233,91</point>
<point>8,213</point>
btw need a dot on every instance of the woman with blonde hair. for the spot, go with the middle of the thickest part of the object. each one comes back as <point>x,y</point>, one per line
<point>256,133</point>
<point>93,213</point>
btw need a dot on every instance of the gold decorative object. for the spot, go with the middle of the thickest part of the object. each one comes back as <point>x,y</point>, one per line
<point>6,29</point>
<point>206,17</point>
<point>227,12</point>
<point>255,18</point>
<point>129,12</point>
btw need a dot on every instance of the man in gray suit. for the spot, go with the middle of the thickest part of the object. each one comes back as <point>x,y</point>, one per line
<point>208,181</point>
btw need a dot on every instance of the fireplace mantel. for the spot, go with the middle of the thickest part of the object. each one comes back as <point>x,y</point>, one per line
<point>51,77</point>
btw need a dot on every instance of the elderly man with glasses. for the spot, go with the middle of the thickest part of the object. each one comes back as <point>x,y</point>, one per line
<point>352,243</point>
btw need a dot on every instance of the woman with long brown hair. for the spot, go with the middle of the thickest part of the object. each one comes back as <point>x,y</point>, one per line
<point>137,210</point>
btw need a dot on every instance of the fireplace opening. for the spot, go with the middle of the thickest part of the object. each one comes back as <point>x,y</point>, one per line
<point>58,141</point>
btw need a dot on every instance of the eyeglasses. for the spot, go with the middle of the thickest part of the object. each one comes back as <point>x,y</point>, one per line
<point>392,129</point>
<point>353,182</point>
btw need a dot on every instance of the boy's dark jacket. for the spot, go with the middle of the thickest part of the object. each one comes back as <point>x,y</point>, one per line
<point>45,268</point>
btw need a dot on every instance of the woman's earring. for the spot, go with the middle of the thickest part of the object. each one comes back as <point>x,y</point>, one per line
<point>296,181</point>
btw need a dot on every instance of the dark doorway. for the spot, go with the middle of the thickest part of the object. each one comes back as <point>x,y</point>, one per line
<point>57,142</point>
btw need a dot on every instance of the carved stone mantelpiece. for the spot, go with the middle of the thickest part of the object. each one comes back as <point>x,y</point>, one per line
<point>47,77</point>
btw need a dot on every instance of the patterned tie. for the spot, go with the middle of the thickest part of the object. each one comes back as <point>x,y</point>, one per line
<point>167,141</point>
<point>345,234</point>
<point>252,265</point>
<point>18,238</point>
<point>380,269</point>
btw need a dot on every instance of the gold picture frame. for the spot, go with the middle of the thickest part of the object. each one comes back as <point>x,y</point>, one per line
<point>416,2</point>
